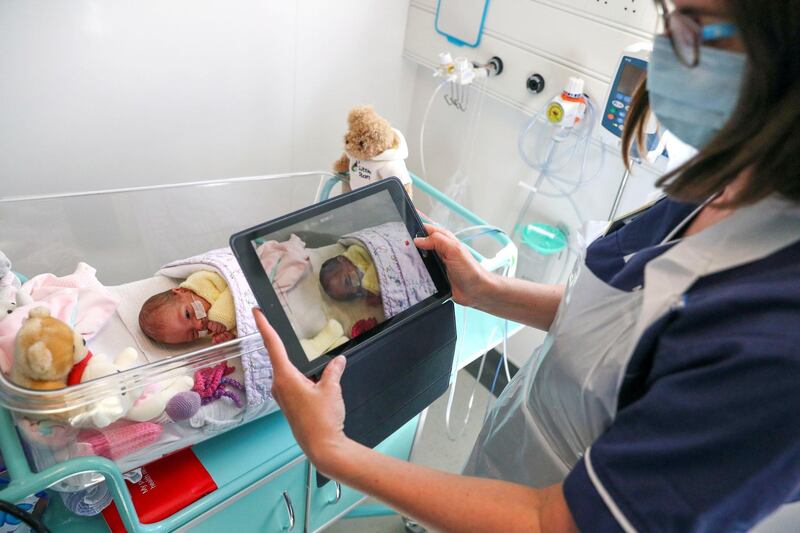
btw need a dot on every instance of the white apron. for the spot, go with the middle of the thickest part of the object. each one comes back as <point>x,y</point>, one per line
<point>565,396</point>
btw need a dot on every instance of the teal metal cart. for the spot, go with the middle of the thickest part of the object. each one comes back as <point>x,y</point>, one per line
<point>264,481</point>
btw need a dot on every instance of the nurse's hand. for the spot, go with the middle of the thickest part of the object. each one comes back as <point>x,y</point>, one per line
<point>468,279</point>
<point>315,411</point>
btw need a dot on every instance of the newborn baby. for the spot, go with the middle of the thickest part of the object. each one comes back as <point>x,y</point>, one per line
<point>351,275</point>
<point>201,305</point>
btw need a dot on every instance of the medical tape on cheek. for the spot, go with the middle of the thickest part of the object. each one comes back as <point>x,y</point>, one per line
<point>199,310</point>
<point>200,314</point>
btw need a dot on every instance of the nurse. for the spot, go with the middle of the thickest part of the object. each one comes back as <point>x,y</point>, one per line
<point>666,394</point>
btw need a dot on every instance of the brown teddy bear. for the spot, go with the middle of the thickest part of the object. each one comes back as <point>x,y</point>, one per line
<point>45,351</point>
<point>373,150</point>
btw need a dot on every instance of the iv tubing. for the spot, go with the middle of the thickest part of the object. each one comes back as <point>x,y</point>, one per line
<point>583,138</point>
<point>471,401</point>
<point>422,129</point>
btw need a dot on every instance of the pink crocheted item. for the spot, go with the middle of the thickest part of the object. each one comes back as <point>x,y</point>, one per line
<point>210,384</point>
<point>118,440</point>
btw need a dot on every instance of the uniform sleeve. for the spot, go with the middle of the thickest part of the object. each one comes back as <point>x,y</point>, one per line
<point>714,446</point>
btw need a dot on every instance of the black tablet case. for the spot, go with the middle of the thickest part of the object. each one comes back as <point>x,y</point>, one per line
<point>390,380</point>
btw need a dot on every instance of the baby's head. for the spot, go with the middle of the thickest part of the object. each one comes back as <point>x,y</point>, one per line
<point>341,279</point>
<point>170,317</point>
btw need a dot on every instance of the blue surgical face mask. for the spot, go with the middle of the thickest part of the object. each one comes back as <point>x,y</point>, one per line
<point>694,103</point>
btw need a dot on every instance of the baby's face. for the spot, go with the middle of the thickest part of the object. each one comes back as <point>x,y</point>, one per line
<point>344,281</point>
<point>179,323</point>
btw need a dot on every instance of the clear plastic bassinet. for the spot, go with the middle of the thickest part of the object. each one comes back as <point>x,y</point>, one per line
<point>127,235</point>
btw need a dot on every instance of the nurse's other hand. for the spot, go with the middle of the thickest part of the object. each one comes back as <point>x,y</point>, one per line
<point>468,278</point>
<point>315,411</point>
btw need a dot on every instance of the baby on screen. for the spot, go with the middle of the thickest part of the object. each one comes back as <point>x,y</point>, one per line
<point>351,275</point>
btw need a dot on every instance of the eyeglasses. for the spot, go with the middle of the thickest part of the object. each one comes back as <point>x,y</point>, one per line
<point>686,35</point>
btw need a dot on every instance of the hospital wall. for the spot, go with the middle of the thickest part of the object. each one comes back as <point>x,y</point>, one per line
<point>107,94</point>
<point>557,40</point>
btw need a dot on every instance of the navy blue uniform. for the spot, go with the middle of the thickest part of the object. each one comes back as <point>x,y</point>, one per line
<point>707,434</point>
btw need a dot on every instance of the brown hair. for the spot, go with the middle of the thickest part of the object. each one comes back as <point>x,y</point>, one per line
<point>763,134</point>
<point>150,315</point>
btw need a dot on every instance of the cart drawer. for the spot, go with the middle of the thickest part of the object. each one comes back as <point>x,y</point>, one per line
<point>328,503</point>
<point>274,504</point>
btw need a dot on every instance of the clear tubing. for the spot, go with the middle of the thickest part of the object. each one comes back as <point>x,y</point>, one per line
<point>548,174</point>
<point>536,187</point>
<point>504,361</point>
<point>458,181</point>
<point>582,142</point>
<point>488,228</point>
<point>422,129</point>
<point>476,118</point>
<point>452,394</point>
<point>470,139</point>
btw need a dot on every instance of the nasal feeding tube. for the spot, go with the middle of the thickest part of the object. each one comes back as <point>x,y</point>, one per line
<point>199,314</point>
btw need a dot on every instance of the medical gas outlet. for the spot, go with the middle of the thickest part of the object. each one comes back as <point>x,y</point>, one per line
<point>460,73</point>
<point>568,108</point>
<point>463,72</point>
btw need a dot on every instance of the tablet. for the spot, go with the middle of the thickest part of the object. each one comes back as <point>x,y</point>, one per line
<point>337,275</point>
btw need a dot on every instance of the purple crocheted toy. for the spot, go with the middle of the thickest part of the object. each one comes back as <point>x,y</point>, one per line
<point>183,405</point>
<point>210,384</point>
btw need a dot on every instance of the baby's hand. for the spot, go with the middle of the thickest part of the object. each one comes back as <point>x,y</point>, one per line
<point>216,327</point>
<point>222,337</point>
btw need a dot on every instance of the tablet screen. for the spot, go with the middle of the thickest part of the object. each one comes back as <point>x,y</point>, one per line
<point>342,273</point>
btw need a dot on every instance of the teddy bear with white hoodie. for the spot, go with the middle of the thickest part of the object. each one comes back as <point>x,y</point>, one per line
<point>374,150</point>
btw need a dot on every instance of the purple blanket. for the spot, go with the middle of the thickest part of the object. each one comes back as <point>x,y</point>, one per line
<point>402,275</point>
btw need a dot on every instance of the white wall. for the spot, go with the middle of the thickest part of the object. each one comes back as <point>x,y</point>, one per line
<point>115,93</point>
<point>557,40</point>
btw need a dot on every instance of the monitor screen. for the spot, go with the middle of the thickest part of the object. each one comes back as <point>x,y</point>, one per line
<point>629,79</point>
<point>342,273</point>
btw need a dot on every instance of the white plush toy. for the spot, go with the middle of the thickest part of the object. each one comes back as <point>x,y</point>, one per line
<point>109,408</point>
<point>11,293</point>
<point>153,400</point>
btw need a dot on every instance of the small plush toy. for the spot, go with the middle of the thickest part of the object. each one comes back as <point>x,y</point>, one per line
<point>45,351</point>
<point>11,293</point>
<point>211,384</point>
<point>373,150</point>
<point>153,400</point>
<point>111,407</point>
<point>183,405</point>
